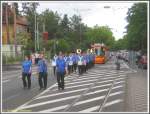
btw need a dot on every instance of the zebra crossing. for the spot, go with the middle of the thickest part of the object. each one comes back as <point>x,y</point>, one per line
<point>101,89</point>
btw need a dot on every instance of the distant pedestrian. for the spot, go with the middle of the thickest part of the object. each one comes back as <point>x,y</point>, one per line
<point>42,70</point>
<point>70,63</point>
<point>54,64</point>
<point>80,63</point>
<point>61,69</point>
<point>26,72</point>
<point>74,58</point>
<point>117,62</point>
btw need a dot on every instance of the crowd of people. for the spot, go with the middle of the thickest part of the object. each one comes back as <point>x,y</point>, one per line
<point>63,64</point>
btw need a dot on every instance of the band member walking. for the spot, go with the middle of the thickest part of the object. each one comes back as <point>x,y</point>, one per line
<point>60,69</point>
<point>26,72</point>
<point>42,70</point>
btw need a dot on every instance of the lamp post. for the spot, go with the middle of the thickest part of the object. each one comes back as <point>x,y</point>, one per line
<point>15,42</point>
<point>35,30</point>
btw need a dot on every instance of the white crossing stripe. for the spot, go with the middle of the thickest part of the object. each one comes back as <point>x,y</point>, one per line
<point>91,109</point>
<point>5,81</point>
<point>116,93</point>
<point>55,109</point>
<point>81,82</point>
<point>66,92</point>
<point>116,87</point>
<point>90,100</point>
<point>49,102</point>
<point>98,91</point>
<point>113,102</point>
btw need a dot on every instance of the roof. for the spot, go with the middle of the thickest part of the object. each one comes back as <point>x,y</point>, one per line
<point>21,20</point>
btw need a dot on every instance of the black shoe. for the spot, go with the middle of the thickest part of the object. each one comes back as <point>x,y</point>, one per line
<point>29,87</point>
<point>45,88</point>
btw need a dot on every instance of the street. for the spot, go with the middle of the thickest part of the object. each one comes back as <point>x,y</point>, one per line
<point>101,89</point>
<point>13,93</point>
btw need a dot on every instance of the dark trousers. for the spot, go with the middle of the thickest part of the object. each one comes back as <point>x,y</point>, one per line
<point>43,79</point>
<point>70,68</point>
<point>80,69</point>
<point>28,77</point>
<point>60,79</point>
<point>54,70</point>
<point>87,66</point>
<point>75,66</point>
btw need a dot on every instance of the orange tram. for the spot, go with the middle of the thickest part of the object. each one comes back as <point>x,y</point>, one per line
<point>101,53</point>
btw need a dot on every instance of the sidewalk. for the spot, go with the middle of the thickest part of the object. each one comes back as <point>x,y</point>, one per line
<point>137,92</point>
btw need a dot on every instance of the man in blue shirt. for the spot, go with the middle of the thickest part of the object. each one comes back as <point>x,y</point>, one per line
<point>26,72</point>
<point>60,68</point>
<point>42,70</point>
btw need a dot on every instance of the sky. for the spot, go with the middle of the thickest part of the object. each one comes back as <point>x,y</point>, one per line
<point>93,13</point>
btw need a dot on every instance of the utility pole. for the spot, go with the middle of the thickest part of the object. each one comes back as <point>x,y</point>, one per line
<point>37,35</point>
<point>15,42</point>
<point>35,30</point>
<point>7,24</point>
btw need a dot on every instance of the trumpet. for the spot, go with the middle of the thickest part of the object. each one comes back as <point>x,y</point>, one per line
<point>78,50</point>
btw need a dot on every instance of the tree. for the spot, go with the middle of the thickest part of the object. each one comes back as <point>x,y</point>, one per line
<point>24,39</point>
<point>65,25</point>
<point>29,10</point>
<point>16,8</point>
<point>137,27</point>
<point>100,34</point>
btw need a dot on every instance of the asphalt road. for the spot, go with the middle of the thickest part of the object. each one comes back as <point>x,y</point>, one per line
<point>13,94</point>
<point>101,89</point>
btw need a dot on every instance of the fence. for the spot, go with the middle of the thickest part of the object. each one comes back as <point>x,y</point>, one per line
<point>10,57</point>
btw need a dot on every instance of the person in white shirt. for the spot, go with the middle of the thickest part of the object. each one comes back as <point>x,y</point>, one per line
<point>54,64</point>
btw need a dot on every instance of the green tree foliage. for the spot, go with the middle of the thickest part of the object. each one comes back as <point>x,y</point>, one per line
<point>137,27</point>
<point>24,39</point>
<point>70,33</point>
<point>51,21</point>
<point>100,34</point>
<point>29,10</point>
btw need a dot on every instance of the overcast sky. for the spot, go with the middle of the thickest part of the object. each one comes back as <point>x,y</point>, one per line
<point>93,13</point>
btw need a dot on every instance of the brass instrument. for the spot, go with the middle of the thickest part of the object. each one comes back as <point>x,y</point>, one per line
<point>78,50</point>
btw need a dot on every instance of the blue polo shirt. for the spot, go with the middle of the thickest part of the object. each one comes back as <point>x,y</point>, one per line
<point>74,58</point>
<point>60,65</point>
<point>26,65</point>
<point>42,67</point>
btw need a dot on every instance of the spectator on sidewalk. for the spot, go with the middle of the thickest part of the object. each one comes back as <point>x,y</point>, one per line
<point>26,72</point>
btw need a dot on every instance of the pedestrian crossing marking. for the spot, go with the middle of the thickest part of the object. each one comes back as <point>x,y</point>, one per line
<point>89,100</point>
<point>113,102</point>
<point>55,109</point>
<point>4,81</point>
<point>91,109</point>
<point>49,102</point>
<point>74,84</point>
<point>66,92</point>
